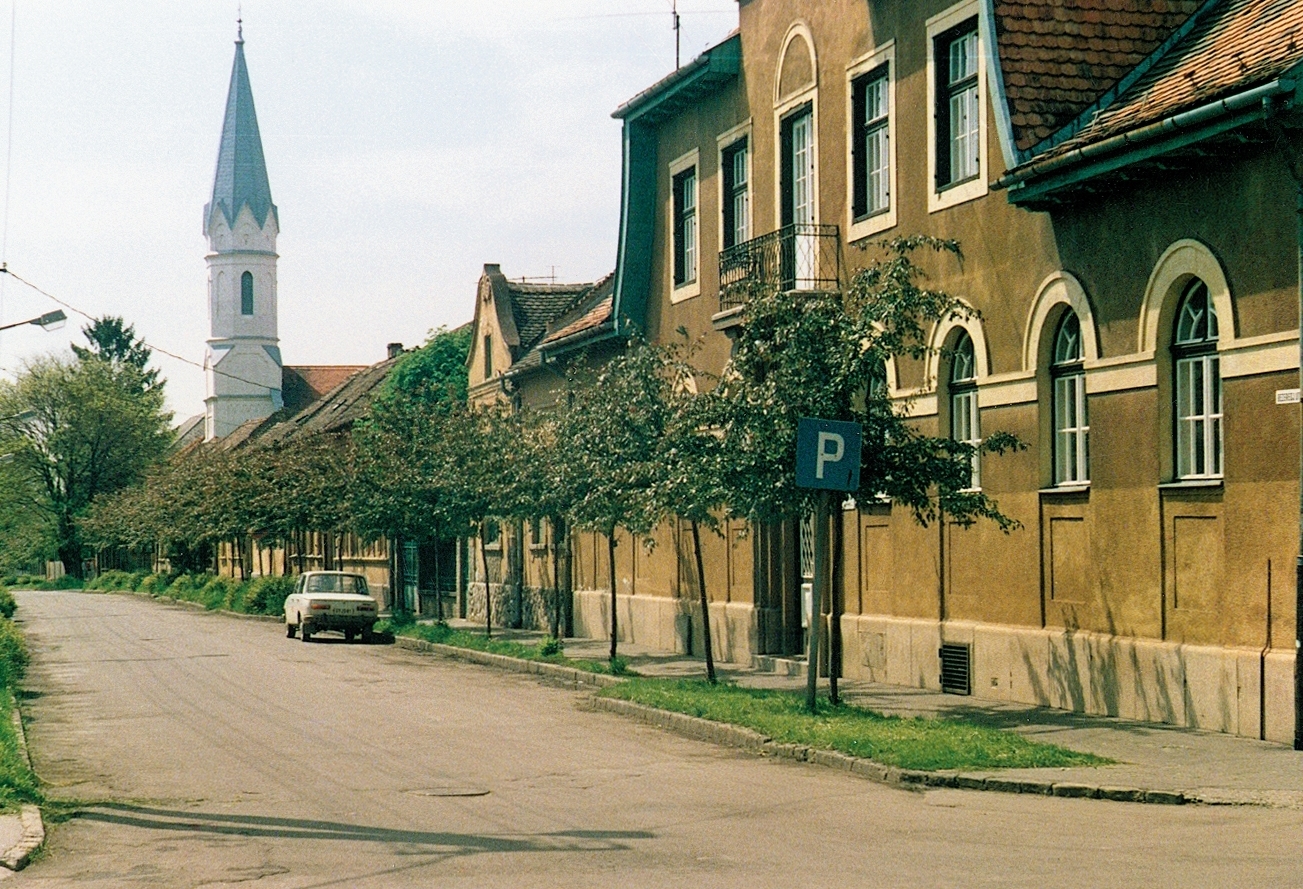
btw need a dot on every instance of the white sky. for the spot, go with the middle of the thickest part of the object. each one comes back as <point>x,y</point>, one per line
<point>407,144</point>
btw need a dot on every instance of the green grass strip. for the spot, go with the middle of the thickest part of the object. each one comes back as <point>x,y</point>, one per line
<point>929,744</point>
<point>442,634</point>
<point>17,783</point>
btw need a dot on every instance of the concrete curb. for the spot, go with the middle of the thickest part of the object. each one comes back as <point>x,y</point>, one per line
<point>735,736</point>
<point>557,672</point>
<point>17,857</point>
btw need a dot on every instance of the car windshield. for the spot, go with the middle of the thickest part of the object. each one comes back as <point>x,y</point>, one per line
<point>336,583</point>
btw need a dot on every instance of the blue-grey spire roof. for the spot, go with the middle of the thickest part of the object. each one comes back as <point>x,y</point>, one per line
<point>241,170</point>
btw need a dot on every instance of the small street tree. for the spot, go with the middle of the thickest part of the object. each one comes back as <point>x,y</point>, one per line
<point>824,355</point>
<point>610,432</point>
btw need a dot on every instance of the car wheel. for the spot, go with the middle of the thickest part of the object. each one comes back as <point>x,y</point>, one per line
<point>289,631</point>
<point>350,635</point>
<point>304,632</point>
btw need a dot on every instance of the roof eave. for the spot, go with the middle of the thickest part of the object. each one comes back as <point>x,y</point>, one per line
<point>714,67</point>
<point>1035,183</point>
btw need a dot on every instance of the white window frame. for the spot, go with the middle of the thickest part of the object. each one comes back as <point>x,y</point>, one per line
<point>692,286</point>
<point>724,143</point>
<point>941,199</point>
<point>966,416</point>
<point>1070,413</point>
<point>878,222</point>
<point>1197,397</point>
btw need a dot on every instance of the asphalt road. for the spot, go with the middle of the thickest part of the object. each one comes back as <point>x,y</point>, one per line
<point>211,751</point>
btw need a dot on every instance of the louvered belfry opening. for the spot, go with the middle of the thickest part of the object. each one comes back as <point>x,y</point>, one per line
<point>956,669</point>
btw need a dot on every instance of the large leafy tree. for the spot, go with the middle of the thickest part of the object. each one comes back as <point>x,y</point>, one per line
<point>77,430</point>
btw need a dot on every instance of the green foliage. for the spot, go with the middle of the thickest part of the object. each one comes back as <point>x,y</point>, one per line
<point>17,783</point>
<point>154,585</point>
<point>77,430</point>
<point>550,647</point>
<point>7,604</point>
<point>267,595</point>
<point>114,341</point>
<point>13,654</point>
<point>911,743</point>
<point>116,581</point>
<point>801,354</point>
<point>433,374</point>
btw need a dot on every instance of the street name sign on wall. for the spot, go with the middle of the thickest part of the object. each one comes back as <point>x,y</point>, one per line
<point>828,455</point>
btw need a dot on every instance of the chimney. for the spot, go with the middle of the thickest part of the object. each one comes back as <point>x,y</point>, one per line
<point>492,268</point>
<point>394,349</point>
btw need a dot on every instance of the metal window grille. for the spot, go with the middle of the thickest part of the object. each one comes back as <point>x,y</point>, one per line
<point>956,669</point>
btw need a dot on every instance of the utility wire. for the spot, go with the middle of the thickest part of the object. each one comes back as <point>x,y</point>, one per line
<point>5,270</point>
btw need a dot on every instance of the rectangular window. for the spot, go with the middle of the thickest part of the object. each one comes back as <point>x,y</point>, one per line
<point>685,227</point>
<point>964,427</point>
<point>871,144</point>
<point>1071,430</point>
<point>958,109</point>
<point>737,195</point>
<point>1198,417</point>
<point>488,355</point>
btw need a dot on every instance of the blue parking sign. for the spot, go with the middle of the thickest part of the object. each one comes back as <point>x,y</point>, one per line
<point>828,455</point>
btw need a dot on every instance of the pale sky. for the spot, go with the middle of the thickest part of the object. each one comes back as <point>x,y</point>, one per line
<point>407,144</point>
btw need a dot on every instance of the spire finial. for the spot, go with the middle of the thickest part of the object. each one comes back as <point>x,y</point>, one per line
<point>239,24</point>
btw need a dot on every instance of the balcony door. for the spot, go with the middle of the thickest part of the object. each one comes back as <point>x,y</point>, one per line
<point>798,184</point>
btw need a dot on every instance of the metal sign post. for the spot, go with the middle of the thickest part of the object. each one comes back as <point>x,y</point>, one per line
<point>827,459</point>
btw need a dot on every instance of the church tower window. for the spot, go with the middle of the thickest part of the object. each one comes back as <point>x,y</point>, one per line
<point>246,293</point>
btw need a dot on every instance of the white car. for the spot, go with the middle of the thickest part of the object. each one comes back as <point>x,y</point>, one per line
<point>330,600</point>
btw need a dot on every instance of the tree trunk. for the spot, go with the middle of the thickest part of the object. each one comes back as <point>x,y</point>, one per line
<point>518,575</point>
<point>615,617</point>
<point>705,605</point>
<point>488,594</point>
<point>567,580</point>
<point>554,619</point>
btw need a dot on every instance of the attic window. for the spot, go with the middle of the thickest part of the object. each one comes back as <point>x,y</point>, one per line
<point>488,355</point>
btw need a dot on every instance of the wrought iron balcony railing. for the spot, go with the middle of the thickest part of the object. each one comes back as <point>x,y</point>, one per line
<point>803,256</point>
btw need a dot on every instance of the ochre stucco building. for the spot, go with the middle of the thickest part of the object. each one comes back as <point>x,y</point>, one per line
<point>1118,176</point>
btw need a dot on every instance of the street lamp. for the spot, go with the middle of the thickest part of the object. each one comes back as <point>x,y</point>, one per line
<point>49,321</point>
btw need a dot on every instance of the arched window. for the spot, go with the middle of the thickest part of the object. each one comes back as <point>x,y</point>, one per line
<point>964,425</point>
<point>1198,386</point>
<point>1071,426</point>
<point>246,293</point>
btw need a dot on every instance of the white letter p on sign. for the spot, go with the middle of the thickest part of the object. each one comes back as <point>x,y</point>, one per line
<point>823,455</point>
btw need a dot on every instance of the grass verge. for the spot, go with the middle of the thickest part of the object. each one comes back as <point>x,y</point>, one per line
<point>548,651</point>
<point>17,783</point>
<point>928,744</point>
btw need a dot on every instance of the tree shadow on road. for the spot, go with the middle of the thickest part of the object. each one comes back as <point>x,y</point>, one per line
<point>211,823</point>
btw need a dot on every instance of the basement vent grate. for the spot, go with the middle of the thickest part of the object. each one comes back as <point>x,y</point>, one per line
<point>956,669</point>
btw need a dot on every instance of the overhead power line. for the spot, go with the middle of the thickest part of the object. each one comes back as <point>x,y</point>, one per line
<point>5,270</point>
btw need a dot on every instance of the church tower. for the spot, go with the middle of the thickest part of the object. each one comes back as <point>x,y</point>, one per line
<point>243,361</point>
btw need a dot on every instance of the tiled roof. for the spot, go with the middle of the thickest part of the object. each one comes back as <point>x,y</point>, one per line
<point>534,305</point>
<point>1058,57</point>
<point>587,314</point>
<point>1236,46</point>
<point>336,411</point>
<point>303,384</point>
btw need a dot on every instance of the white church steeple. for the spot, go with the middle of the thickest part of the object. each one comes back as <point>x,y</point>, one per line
<point>243,362</point>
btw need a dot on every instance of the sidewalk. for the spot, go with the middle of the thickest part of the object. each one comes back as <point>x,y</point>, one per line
<point>1200,766</point>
